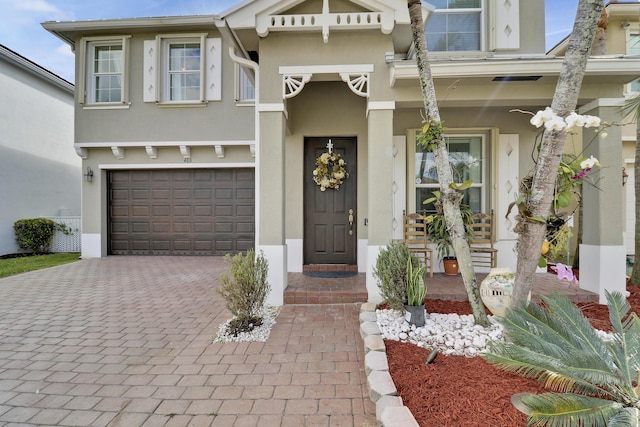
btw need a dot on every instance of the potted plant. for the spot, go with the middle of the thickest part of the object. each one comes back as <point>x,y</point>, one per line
<point>416,292</point>
<point>438,232</point>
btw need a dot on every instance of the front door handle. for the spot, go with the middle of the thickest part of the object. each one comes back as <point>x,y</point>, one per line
<point>351,222</point>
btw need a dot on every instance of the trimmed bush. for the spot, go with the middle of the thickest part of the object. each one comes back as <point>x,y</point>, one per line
<point>34,234</point>
<point>247,291</point>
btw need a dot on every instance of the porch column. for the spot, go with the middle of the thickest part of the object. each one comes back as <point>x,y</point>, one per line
<point>602,252</point>
<point>380,181</point>
<point>270,197</point>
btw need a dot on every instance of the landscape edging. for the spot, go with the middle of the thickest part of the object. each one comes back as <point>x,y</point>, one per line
<point>390,411</point>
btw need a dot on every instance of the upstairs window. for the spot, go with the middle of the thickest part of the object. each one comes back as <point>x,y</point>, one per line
<point>456,25</point>
<point>182,69</point>
<point>104,80</point>
<point>246,89</point>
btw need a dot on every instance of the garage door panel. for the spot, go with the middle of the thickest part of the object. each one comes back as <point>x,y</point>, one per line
<point>244,211</point>
<point>140,176</point>
<point>202,211</point>
<point>181,193</point>
<point>160,194</point>
<point>140,211</point>
<point>181,212</point>
<point>203,227</point>
<point>158,227</point>
<point>119,211</point>
<point>224,194</point>
<point>139,227</point>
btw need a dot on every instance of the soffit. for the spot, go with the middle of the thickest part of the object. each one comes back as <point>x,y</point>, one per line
<point>609,70</point>
<point>69,31</point>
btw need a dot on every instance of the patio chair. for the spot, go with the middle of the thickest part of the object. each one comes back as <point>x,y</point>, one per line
<point>415,237</point>
<point>483,254</point>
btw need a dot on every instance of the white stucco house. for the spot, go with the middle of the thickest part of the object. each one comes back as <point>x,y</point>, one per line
<point>203,131</point>
<point>40,174</point>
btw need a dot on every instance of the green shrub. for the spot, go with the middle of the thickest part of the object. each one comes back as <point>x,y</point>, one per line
<point>247,291</point>
<point>34,234</point>
<point>391,271</point>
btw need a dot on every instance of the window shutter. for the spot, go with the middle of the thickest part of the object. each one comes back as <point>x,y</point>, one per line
<point>213,69</point>
<point>507,183</point>
<point>150,78</point>
<point>507,24</point>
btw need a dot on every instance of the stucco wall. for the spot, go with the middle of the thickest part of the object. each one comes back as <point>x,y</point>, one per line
<point>40,173</point>
<point>219,120</point>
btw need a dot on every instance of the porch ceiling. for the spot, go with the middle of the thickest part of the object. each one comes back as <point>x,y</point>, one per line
<point>501,82</point>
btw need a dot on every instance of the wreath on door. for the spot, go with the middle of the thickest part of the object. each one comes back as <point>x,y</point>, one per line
<point>330,171</point>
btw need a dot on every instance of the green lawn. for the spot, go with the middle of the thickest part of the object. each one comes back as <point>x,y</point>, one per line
<point>11,266</point>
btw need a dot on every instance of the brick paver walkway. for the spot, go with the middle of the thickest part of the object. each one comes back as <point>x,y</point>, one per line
<point>127,341</point>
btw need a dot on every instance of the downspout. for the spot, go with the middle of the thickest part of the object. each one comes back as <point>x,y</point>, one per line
<point>256,69</point>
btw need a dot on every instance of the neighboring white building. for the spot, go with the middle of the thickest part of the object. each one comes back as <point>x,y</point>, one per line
<point>40,173</point>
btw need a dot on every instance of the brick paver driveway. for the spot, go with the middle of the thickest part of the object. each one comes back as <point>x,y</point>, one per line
<point>127,341</point>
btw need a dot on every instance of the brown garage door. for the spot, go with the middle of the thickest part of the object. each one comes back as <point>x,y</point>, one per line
<point>181,212</point>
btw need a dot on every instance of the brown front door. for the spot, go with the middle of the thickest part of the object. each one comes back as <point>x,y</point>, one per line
<point>330,217</point>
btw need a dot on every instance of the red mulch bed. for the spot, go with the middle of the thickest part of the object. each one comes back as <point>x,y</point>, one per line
<point>468,392</point>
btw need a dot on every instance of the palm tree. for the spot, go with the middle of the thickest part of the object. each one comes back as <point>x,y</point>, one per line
<point>537,188</point>
<point>632,106</point>
<point>450,194</point>
<point>592,378</point>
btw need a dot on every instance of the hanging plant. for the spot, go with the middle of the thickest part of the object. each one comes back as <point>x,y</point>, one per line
<point>330,171</point>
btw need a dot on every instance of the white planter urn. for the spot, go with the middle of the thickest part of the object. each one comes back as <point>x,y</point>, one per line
<point>496,290</point>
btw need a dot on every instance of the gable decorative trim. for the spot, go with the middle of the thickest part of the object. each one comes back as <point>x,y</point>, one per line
<point>325,21</point>
<point>358,83</point>
<point>357,77</point>
<point>293,84</point>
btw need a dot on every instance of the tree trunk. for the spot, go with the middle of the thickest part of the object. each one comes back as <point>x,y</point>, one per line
<point>450,198</point>
<point>539,194</point>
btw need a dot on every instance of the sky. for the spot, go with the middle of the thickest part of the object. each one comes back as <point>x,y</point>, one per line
<point>20,20</point>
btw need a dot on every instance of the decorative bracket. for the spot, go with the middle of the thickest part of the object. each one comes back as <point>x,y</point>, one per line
<point>219,151</point>
<point>82,152</point>
<point>152,152</point>
<point>358,83</point>
<point>118,152</point>
<point>186,152</point>
<point>293,84</point>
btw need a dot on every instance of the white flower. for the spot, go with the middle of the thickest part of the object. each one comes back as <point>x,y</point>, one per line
<point>341,162</point>
<point>556,123</point>
<point>574,119</point>
<point>591,121</point>
<point>589,163</point>
<point>542,117</point>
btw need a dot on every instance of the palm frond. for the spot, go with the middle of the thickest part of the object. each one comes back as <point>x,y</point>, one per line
<point>626,417</point>
<point>627,336</point>
<point>586,337</point>
<point>564,410</point>
<point>551,373</point>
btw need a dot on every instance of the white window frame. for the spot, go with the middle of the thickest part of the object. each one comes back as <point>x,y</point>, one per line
<point>244,87</point>
<point>411,167</point>
<point>165,72</point>
<point>86,81</point>
<point>480,11</point>
<point>630,33</point>
<point>156,69</point>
